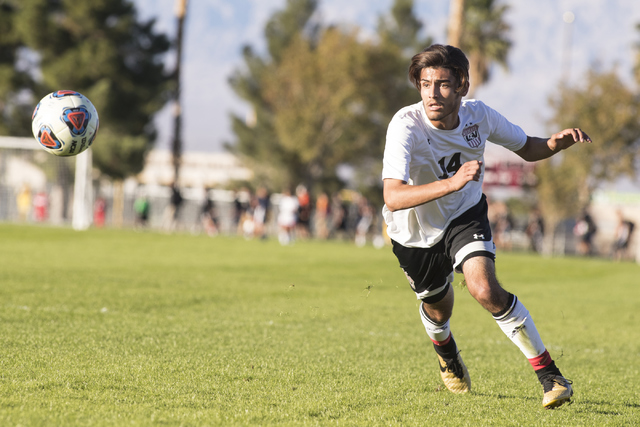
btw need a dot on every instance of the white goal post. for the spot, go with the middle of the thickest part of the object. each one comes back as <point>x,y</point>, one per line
<point>22,162</point>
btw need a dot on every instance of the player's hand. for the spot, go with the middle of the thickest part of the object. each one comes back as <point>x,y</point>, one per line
<point>566,138</point>
<point>469,171</point>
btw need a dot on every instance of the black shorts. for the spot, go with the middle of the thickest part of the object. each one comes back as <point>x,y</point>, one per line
<point>430,270</point>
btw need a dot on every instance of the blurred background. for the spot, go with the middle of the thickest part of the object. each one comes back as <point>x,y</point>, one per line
<point>216,115</point>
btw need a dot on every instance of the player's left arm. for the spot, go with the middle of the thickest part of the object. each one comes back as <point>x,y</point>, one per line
<point>540,148</point>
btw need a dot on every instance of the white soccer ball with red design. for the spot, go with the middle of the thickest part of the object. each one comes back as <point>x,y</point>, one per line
<point>65,123</point>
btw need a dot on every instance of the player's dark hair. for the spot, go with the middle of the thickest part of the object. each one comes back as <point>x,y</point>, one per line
<point>440,56</point>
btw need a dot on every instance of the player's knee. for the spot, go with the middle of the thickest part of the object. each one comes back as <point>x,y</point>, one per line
<point>481,293</point>
<point>437,314</point>
<point>490,296</point>
<point>439,307</point>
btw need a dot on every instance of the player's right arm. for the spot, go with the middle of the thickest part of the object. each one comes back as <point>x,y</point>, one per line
<point>400,195</point>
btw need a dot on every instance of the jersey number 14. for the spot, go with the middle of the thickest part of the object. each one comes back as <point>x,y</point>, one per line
<point>452,167</point>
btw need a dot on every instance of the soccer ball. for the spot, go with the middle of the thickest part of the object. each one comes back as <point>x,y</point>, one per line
<point>65,123</point>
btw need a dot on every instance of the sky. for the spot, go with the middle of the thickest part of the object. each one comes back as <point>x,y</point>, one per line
<point>545,49</point>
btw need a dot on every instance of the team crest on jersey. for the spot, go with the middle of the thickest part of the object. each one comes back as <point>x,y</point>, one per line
<point>472,136</point>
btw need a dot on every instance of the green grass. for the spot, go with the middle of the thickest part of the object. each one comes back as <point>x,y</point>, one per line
<point>119,328</point>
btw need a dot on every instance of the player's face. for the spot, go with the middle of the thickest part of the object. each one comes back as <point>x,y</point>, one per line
<point>441,96</point>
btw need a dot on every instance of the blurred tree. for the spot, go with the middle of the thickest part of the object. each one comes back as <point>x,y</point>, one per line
<point>257,142</point>
<point>100,49</point>
<point>400,38</point>
<point>288,24</point>
<point>401,30</point>
<point>484,39</point>
<point>323,97</point>
<point>15,82</point>
<point>636,67</point>
<point>609,112</point>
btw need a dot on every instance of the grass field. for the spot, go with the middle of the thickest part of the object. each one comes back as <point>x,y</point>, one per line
<point>114,328</point>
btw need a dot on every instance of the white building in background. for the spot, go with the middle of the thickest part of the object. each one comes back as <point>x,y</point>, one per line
<point>198,169</point>
<point>27,170</point>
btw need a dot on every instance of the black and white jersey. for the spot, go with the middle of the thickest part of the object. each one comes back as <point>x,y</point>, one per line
<point>418,153</point>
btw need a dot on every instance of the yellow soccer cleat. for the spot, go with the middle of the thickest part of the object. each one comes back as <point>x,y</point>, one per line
<point>455,374</point>
<point>557,391</point>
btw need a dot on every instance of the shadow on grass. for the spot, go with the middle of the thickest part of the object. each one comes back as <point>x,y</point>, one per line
<point>587,406</point>
<point>579,406</point>
<point>504,396</point>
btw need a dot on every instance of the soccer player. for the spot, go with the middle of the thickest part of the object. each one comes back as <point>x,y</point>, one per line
<point>437,215</point>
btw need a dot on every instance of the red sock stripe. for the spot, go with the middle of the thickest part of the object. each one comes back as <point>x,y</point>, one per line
<point>445,342</point>
<point>541,361</point>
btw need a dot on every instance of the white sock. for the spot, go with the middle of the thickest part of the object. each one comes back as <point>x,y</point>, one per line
<point>438,332</point>
<point>518,325</point>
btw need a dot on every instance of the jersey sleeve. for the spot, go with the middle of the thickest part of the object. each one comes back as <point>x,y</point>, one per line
<point>503,132</point>
<point>397,150</point>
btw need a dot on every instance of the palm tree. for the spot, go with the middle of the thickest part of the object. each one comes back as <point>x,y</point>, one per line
<point>456,21</point>
<point>483,36</point>
<point>181,11</point>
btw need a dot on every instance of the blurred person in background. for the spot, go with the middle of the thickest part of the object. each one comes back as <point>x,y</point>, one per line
<point>208,215</point>
<point>501,225</point>
<point>303,226</point>
<point>287,217</point>
<point>141,207</point>
<point>321,216</point>
<point>261,212</point>
<point>241,205</point>
<point>172,211</point>
<point>99,212</point>
<point>535,230</point>
<point>585,229</point>
<point>364,221</point>
<point>41,206</point>
<point>23,200</point>
<point>339,217</point>
<point>624,232</point>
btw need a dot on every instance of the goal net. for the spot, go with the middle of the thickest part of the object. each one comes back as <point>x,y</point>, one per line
<point>38,187</point>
